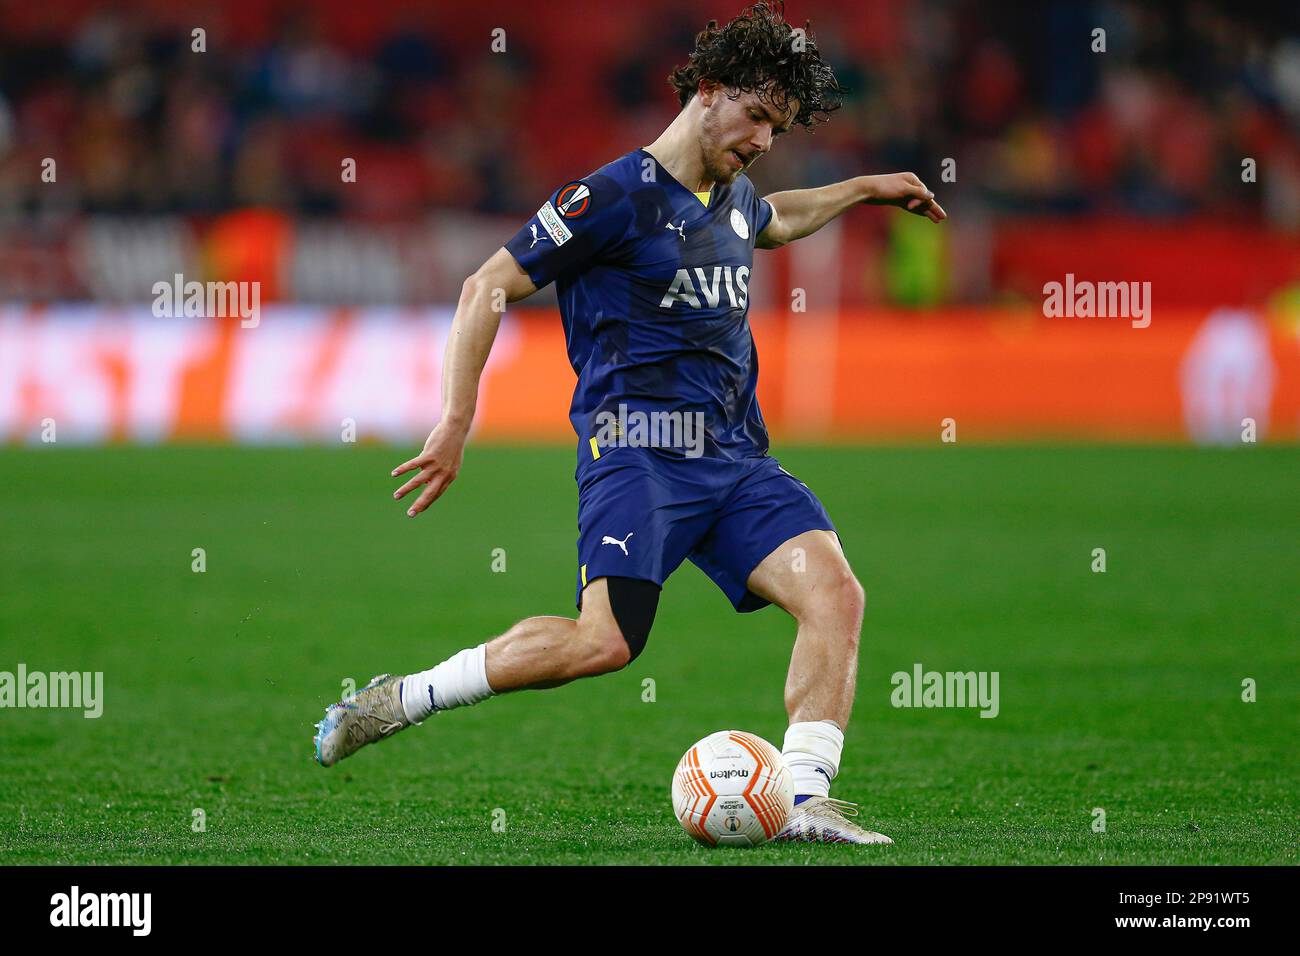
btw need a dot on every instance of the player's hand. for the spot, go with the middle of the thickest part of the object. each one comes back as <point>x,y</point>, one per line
<point>437,465</point>
<point>906,191</point>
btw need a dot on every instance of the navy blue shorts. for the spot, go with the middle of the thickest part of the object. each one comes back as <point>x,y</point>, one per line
<point>641,513</point>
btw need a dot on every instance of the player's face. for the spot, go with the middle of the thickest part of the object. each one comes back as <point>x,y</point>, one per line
<point>735,133</point>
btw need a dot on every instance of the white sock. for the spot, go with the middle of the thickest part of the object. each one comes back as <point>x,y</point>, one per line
<point>812,752</point>
<point>458,681</point>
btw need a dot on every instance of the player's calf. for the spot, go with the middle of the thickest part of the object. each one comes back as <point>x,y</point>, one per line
<point>824,664</point>
<point>537,653</point>
<point>617,614</point>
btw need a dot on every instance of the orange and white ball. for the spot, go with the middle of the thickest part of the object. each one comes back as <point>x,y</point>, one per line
<point>732,789</point>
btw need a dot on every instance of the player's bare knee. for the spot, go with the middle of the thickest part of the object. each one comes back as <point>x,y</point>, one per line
<point>855,597</point>
<point>613,653</point>
<point>836,603</point>
<point>851,602</point>
<point>602,648</point>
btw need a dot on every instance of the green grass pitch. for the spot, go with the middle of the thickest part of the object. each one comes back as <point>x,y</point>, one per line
<point>1120,691</point>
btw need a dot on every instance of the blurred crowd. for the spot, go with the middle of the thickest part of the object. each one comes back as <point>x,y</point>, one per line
<point>1034,117</point>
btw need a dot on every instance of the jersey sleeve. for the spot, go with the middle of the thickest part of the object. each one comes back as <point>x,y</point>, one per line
<point>762,215</point>
<point>581,222</point>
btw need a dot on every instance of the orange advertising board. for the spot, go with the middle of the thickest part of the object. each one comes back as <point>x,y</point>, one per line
<point>303,373</point>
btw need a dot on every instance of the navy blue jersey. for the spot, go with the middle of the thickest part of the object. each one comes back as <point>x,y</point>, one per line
<point>653,291</point>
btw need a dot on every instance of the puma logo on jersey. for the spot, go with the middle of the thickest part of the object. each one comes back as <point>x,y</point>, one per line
<point>622,544</point>
<point>684,289</point>
<point>536,237</point>
<point>680,230</point>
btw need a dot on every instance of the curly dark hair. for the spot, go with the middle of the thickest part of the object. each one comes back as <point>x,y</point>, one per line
<point>754,50</point>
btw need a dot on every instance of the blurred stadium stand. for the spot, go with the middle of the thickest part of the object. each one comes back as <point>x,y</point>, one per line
<point>226,165</point>
<point>162,152</point>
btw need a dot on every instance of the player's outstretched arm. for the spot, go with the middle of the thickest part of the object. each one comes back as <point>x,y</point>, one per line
<point>473,330</point>
<point>801,212</point>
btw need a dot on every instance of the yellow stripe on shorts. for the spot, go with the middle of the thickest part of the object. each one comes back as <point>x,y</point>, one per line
<point>584,575</point>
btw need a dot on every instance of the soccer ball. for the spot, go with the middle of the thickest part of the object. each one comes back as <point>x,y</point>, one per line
<point>732,789</point>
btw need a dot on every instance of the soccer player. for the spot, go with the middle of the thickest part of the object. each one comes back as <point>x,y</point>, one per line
<point>651,257</point>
